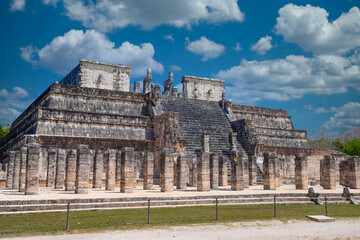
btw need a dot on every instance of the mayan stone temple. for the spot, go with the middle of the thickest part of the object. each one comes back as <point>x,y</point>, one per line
<point>93,130</point>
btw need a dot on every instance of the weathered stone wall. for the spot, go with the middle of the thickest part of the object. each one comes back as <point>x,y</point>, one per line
<point>202,88</point>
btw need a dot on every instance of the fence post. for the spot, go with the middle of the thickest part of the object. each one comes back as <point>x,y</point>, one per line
<point>325,206</point>
<point>149,211</point>
<point>68,217</point>
<point>216,201</point>
<point>274,205</point>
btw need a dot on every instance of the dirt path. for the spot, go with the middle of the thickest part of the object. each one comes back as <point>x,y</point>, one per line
<point>341,229</point>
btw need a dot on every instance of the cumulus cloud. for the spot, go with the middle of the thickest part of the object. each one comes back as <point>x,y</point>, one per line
<point>50,2</point>
<point>169,37</point>
<point>290,78</point>
<point>238,48</point>
<point>310,28</point>
<point>63,53</point>
<point>107,15</point>
<point>263,45</point>
<point>345,119</point>
<point>204,47</point>
<point>12,103</point>
<point>17,5</point>
<point>175,68</point>
<point>316,110</point>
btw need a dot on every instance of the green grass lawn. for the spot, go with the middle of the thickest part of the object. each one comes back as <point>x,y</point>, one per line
<point>91,221</point>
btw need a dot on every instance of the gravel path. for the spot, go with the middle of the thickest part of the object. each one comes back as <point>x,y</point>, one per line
<point>340,229</point>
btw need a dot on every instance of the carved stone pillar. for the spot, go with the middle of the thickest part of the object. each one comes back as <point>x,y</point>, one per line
<point>82,170</point>
<point>98,169</point>
<point>181,172</point>
<point>118,168</point>
<point>354,172</point>
<point>23,159</point>
<point>148,170</point>
<point>146,81</point>
<point>237,170</point>
<point>16,177</point>
<point>252,170</point>
<point>192,173</point>
<point>344,171</point>
<point>127,170</point>
<point>32,169</point>
<point>136,87</point>
<point>110,169</point>
<point>10,172</point>
<point>70,170</point>
<point>328,175</point>
<point>166,171</point>
<point>301,177</point>
<point>60,169</point>
<point>214,171</point>
<point>269,167</point>
<point>223,171</point>
<point>203,171</point>
<point>50,180</point>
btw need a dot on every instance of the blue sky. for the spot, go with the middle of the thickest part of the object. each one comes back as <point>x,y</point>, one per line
<point>301,56</point>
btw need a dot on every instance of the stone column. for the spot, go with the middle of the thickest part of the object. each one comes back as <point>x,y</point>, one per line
<point>118,168</point>
<point>148,170</point>
<point>328,177</point>
<point>301,178</point>
<point>70,170</point>
<point>166,171</point>
<point>10,172</point>
<point>127,170</point>
<point>16,177</point>
<point>252,170</point>
<point>110,169</point>
<point>181,172</point>
<point>98,169</point>
<point>23,159</point>
<point>82,170</point>
<point>223,171</point>
<point>203,164</point>
<point>245,165</point>
<point>354,172</point>
<point>136,87</point>
<point>32,169</point>
<point>214,171</point>
<point>146,81</point>
<point>60,169</point>
<point>344,170</point>
<point>237,170</point>
<point>192,173</point>
<point>50,180</point>
<point>269,168</point>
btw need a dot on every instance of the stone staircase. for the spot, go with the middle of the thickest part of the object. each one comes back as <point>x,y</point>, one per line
<point>196,116</point>
<point>15,207</point>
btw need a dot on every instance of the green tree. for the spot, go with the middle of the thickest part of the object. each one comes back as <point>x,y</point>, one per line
<point>352,147</point>
<point>3,131</point>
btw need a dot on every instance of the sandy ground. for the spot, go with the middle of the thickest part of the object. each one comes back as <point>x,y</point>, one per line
<point>340,229</point>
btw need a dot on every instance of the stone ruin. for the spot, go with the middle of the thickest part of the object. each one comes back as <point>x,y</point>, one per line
<point>91,131</point>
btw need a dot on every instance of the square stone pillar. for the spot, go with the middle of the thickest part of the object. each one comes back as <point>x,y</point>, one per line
<point>203,171</point>
<point>118,168</point>
<point>10,172</point>
<point>354,172</point>
<point>98,169</point>
<point>23,159</point>
<point>32,169</point>
<point>82,170</point>
<point>214,171</point>
<point>166,171</point>
<point>181,172</point>
<point>110,169</point>
<point>127,170</point>
<point>16,177</point>
<point>301,177</point>
<point>344,171</point>
<point>237,170</point>
<point>245,164</point>
<point>269,168</point>
<point>192,173</point>
<point>60,169</point>
<point>252,170</point>
<point>148,170</point>
<point>50,179</point>
<point>70,175</point>
<point>223,171</point>
<point>328,175</point>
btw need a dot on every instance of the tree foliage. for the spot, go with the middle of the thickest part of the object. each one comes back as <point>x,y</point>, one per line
<point>351,147</point>
<point>4,131</point>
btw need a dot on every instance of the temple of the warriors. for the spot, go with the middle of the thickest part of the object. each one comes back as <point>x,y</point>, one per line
<point>94,130</point>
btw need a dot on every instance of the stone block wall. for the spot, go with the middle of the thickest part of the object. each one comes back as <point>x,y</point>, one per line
<point>202,88</point>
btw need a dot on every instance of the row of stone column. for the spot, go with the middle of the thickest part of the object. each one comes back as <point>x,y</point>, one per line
<point>350,172</point>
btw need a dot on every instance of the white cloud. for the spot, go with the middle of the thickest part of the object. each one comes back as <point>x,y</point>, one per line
<point>290,78</point>
<point>17,5</point>
<point>12,104</point>
<point>50,2</point>
<point>175,68</point>
<point>309,27</point>
<point>316,110</point>
<point>237,47</point>
<point>263,45</point>
<point>169,37</point>
<point>345,119</point>
<point>63,53</point>
<point>204,47</point>
<point>107,15</point>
